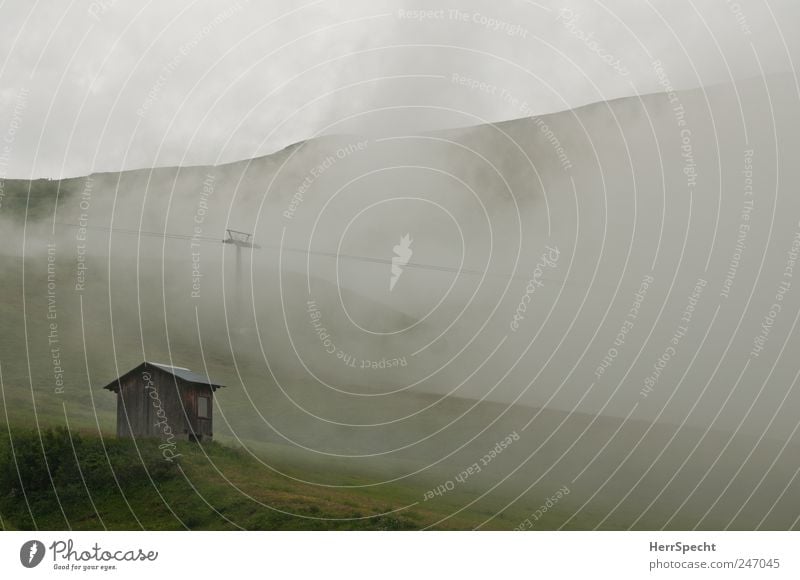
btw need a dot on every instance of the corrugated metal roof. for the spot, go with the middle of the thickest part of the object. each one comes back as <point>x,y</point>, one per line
<point>186,374</point>
<point>180,372</point>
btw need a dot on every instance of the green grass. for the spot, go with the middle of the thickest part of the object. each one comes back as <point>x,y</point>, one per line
<point>219,485</point>
<point>122,485</point>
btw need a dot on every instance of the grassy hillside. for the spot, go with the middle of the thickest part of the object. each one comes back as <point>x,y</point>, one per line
<point>714,446</point>
<point>89,483</point>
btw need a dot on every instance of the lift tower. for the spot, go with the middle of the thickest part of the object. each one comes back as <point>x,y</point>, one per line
<point>240,240</point>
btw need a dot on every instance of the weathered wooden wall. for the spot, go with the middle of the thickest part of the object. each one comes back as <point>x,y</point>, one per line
<point>138,406</point>
<point>189,393</point>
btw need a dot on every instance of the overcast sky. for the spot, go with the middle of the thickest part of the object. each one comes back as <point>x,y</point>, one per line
<point>115,84</point>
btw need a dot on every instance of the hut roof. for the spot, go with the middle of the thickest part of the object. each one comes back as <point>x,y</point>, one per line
<point>180,372</point>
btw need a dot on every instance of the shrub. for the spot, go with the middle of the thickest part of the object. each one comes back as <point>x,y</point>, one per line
<point>41,467</point>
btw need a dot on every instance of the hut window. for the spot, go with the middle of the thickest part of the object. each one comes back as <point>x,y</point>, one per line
<point>203,407</point>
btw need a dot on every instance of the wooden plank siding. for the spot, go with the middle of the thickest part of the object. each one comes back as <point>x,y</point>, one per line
<point>142,394</point>
<point>149,389</point>
<point>195,424</point>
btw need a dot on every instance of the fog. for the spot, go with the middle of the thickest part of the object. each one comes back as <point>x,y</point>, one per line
<point>590,248</point>
<point>111,86</point>
<point>648,322</point>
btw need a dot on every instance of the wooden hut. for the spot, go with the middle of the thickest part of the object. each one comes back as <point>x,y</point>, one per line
<point>169,402</point>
